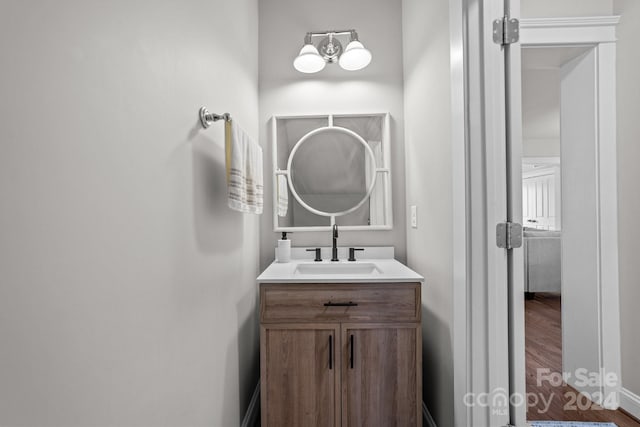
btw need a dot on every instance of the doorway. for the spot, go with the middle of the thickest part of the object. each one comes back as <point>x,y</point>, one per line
<point>494,195</point>
<point>556,83</point>
<point>568,174</point>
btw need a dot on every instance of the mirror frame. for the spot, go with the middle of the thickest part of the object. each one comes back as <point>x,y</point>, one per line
<point>383,168</point>
<point>368,150</point>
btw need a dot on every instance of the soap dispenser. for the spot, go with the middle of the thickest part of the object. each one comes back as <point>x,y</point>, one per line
<point>283,251</point>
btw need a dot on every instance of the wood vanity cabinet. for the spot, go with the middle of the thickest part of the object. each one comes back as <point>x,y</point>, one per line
<point>340,355</point>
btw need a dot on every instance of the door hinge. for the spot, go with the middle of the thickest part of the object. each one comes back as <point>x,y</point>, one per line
<point>506,31</point>
<point>509,235</point>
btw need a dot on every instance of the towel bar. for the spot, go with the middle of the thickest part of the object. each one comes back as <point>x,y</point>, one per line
<point>207,118</point>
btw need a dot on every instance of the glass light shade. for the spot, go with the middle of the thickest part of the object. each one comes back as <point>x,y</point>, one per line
<point>355,57</point>
<point>309,60</point>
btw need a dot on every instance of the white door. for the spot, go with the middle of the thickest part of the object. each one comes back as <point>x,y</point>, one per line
<point>491,303</point>
<point>513,124</point>
<point>541,199</point>
<point>580,289</point>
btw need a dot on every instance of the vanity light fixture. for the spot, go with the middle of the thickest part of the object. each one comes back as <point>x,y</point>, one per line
<point>313,58</point>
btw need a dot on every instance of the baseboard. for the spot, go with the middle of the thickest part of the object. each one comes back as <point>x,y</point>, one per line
<point>252,416</point>
<point>630,402</point>
<point>427,419</point>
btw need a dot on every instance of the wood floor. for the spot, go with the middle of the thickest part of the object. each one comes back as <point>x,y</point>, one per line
<point>544,350</point>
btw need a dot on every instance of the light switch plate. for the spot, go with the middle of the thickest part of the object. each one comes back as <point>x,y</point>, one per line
<point>414,216</point>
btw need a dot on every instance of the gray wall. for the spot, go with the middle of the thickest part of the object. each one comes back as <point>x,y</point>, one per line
<point>377,88</point>
<point>563,8</point>
<point>541,112</point>
<point>127,287</point>
<point>628,177</point>
<point>429,187</point>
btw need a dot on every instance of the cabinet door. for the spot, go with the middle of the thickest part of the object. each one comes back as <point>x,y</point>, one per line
<point>381,375</point>
<point>300,375</point>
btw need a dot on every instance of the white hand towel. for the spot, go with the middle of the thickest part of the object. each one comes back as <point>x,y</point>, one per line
<point>283,195</point>
<point>244,170</point>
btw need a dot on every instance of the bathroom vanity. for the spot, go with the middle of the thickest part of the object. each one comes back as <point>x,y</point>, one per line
<point>340,343</point>
<point>340,338</point>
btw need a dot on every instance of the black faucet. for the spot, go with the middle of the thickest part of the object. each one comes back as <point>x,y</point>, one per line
<point>334,249</point>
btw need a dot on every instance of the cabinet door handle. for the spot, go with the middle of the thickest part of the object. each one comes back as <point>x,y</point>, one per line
<point>340,304</point>
<point>351,351</point>
<point>330,351</point>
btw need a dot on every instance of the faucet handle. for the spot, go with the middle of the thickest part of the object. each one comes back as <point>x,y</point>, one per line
<point>317,251</point>
<point>352,253</point>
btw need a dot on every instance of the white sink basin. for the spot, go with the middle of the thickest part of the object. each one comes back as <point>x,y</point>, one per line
<point>360,268</point>
<point>375,265</point>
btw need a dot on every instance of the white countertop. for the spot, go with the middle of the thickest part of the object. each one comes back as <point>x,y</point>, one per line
<point>380,260</point>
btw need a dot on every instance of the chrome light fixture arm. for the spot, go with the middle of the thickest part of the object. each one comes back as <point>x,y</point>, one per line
<point>326,33</point>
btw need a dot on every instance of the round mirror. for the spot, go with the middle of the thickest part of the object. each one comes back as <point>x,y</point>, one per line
<point>331,171</point>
